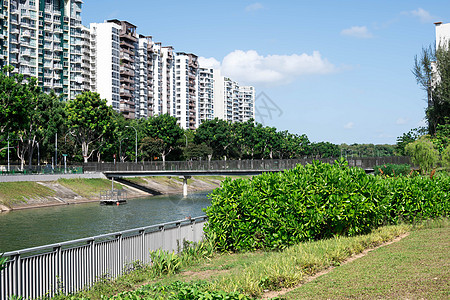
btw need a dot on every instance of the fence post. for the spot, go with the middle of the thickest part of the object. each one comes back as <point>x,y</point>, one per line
<point>142,250</point>
<point>58,266</point>
<point>120,254</point>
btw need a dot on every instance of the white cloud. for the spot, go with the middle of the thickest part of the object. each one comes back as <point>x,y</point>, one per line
<point>249,67</point>
<point>209,62</point>
<point>254,7</point>
<point>401,121</point>
<point>360,32</point>
<point>423,15</point>
<point>349,125</point>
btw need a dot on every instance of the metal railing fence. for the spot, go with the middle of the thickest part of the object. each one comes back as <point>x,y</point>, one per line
<point>43,169</point>
<point>71,266</point>
<point>266,164</point>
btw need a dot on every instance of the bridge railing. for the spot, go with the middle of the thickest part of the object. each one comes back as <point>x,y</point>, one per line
<point>71,266</point>
<point>215,165</point>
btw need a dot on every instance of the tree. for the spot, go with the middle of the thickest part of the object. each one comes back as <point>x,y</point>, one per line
<point>432,72</point>
<point>407,138</point>
<point>194,151</point>
<point>218,135</point>
<point>89,118</point>
<point>423,153</point>
<point>15,99</point>
<point>325,150</point>
<point>165,128</point>
<point>151,147</point>
<point>45,118</point>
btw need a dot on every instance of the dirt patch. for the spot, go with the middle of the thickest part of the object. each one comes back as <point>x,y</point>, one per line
<point>273,294</point>
<point>203,275</point>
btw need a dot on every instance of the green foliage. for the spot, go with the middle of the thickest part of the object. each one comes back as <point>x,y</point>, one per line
<point>365,150</point>
<point>3,261</point>
<point>193,252</point>
<point>165,130</point>
<point>432,64</point>
<point>423,154</point>
<point>446,157</point>
<point>324,150</point>
<point>179,291</point>
<point>164,262</point>
<point>392,170</point>
<point>15,97</point>
<point>217,135</point>
<point>441,139</point>
<point>407,138</point>
<point>194,151</point>
<point>273,211</point>
<point>89,118</point>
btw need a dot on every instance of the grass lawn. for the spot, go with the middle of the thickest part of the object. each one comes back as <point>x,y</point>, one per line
<point>88,187</point>
<point>417,267</point>
<point>16,192</point>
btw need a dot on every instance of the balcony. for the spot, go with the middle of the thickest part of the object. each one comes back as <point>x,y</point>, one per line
<point>26,33</point>
<point>126,44</point>
<point>125,93</point>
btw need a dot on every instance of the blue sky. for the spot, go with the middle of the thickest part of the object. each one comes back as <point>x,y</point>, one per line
<point>337,71</point>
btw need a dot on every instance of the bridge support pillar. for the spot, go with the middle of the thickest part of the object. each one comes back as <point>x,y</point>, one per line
<point>185,185</point>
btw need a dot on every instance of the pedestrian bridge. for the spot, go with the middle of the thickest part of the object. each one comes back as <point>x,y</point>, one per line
<point>187,169</point>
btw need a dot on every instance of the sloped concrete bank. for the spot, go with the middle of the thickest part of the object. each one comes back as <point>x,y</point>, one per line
<point>62,195</point>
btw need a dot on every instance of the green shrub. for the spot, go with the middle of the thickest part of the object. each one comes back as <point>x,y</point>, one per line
<point>446,157</point>
<point>179,291</point>
<point>423,154</point>
<point>392,170</point>
<point>164,262</point>
<point>319,200</point>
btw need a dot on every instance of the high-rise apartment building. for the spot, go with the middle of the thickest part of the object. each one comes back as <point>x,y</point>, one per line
<point>248,97</point>
<point>145,57</point>
<point>205,103</point>
<point>167,79</point>
<point>105,62</point>
<point>227,101</point>
<point>138,77</point>
<point>442,34</point>
<point>43,39</point>
<point>129,68</point>
<point>186,80</point>
<point>232,102</point>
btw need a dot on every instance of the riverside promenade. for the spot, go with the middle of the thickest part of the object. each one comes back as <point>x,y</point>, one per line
<point>48,177</point>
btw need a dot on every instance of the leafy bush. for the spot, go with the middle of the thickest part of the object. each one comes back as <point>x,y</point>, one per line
<point>164,262</point>
<point>423,154</point>
<point>392,170</point>
<point>179,291</point>
<point>446,157</point>
<point>273,211</point>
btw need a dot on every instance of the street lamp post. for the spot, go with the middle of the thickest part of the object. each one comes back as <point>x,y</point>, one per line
<point>8,154</point>
<point>120,149</point>
<point>136,139</point>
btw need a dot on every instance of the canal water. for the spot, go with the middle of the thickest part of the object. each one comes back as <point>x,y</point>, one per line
<point>41,226</point>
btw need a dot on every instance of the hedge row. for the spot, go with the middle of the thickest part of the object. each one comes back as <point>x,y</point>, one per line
<point>319,200</point>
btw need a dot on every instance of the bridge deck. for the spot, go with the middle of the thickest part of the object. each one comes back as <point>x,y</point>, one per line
<point>117,174</point>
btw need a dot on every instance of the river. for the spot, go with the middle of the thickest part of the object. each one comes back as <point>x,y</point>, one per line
<point>41,226</point>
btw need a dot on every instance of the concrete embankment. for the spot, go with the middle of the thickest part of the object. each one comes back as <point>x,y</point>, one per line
<point>32,191</point>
